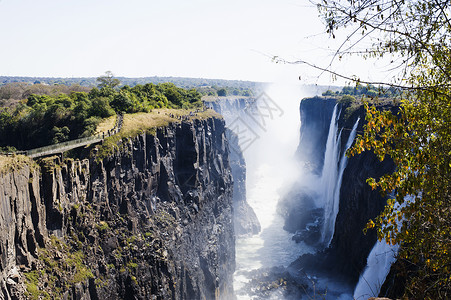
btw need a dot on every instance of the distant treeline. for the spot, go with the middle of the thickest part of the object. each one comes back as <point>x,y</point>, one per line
<point>365,90</point>
<point>53,114</point>
<point>202,85</point>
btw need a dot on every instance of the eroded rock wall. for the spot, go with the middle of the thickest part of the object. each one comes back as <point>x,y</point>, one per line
<point>346,256</point>
<point>234,111</point>
<point>151,221</point>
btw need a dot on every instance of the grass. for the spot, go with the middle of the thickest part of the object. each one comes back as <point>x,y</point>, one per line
<point>15,162</point>
<point>158,118</point>
<point>106,124</point>
<point>33,291</point>
<point>68,270</point>
<point>138,123</point>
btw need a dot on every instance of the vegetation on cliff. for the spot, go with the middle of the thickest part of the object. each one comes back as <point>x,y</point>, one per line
<point>368,90</point>
<point>11,163</point>
<point>154,220</point>
<point>418,138</point>
<point>138,123</point>
<point>53,115</point>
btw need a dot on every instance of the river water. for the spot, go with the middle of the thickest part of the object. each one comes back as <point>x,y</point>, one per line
<point>271,170</point>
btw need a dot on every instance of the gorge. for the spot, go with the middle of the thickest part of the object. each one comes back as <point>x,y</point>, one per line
<point>262,204</point>
<point>324,202</point>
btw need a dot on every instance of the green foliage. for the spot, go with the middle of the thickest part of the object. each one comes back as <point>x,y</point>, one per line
<point>44,119</point>
<point>132,265</point>
<point>60,134</point>
<point>18,85</point>
<point>61,267</point>
<point>419,217</point>
<point>108,80</point>
<point>347,99</point>
<point>222,92</point>
<point>368,90</point>
<point>49,119</point>
<point>121,102</point>
<point>418,138</point>
<point>329,93</point>
<point>102,226</point>
<point>101,107</point>
<point>32,278</point>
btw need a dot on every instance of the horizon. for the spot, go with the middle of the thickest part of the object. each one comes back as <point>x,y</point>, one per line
<point>228,40</point>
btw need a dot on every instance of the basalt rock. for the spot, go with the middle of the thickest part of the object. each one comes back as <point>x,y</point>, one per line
<point>234,109</point>
<point>346,255</point>
<point>244,218</point>
<point>316,114</point>
<point>153,220</point>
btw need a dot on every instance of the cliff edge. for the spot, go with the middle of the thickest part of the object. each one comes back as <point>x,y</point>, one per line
<point>151,220</point>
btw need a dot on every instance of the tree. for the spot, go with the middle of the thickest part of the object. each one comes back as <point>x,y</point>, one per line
<point>108,80</point>
<point>328,93</point>
<point>417,34</point>
<point>101,107</point>
<point>222,92</point>
<point>121,102</point>
<point>60,134</point>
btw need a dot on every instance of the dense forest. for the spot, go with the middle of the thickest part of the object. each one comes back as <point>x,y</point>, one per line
<point>36,115</point>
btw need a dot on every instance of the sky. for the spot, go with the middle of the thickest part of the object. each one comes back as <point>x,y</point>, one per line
<point>223,39</point>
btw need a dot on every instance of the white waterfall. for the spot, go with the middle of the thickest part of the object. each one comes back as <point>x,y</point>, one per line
<point>378,264</point>
<point>381,257</point>
<point>329,175</point>
<point>332,174</point>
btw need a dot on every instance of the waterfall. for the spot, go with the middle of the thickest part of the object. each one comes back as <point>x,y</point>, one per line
<point>381,257</point>
<point>378,264</point>
<point>332,175</point>
<point>271,169</point>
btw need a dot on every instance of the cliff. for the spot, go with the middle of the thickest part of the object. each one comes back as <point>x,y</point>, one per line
<point>358,202</point>
<point>153,220</point>
<point>346,255</point>
<point>315,114</point>
<point>244,218</point>
<point>233,109</point>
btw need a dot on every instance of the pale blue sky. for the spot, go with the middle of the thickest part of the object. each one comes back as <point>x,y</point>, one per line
<point>137,38</point>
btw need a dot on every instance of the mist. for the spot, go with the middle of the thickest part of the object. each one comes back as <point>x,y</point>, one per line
<point>272,168</point>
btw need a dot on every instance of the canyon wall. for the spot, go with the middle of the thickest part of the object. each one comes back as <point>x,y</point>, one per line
<point>345,257</point>
<point>152,220</point>
<point>234,110</point>
<point>315,114</point>
<point>358,202</point>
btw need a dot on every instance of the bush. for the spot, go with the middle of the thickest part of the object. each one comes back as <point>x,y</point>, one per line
<point>347,99</point>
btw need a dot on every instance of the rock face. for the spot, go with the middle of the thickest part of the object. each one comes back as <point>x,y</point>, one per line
<point>316,114</point>
<point>346,256</point>
<point>151,221</point>
<point>358,203</point>
<point>245,220</point>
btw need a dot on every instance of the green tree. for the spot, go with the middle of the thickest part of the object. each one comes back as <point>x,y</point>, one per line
<point>60,134</point>
<point>121,102</point>
<point>222,92</point>
<point>328,93</point>
<point>108,80</point>
<point>101,107</point>
<point>418,138</point>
